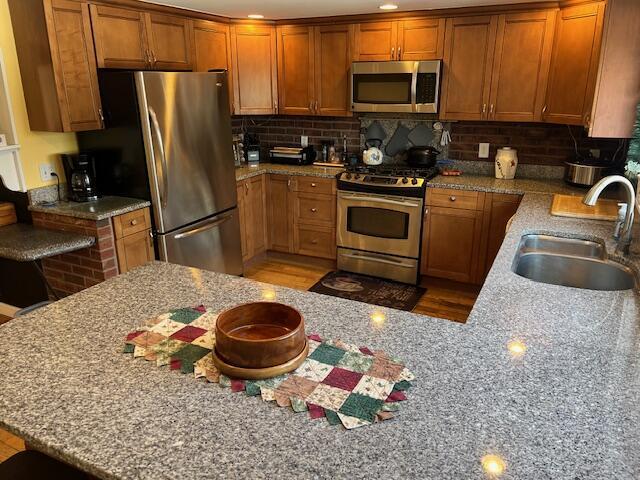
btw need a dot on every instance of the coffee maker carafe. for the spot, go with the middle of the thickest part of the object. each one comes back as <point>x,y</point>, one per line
<point>80,171</point>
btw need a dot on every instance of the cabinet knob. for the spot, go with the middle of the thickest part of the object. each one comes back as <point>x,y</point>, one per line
<point>313,185</point>
<point>314,210</point>
<point>134,222</point>
<point>452,198</point>
<point>314,241</point>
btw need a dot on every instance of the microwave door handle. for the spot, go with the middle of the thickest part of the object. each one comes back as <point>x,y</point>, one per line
<point>155,129</point>
<point>379,200</point>
<point>207,226</point>
<point>414,87</point>
<point>357,256</point>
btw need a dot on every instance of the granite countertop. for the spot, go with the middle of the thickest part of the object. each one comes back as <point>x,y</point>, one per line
<point>105,207</point>
<point>310,170</point>
<point>569,407</point>
<point>24,243</point>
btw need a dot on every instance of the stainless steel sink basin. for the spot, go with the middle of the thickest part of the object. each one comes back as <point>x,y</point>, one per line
<point>571,263</point>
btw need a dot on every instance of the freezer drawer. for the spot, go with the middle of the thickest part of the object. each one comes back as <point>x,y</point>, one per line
<point>211,244</point>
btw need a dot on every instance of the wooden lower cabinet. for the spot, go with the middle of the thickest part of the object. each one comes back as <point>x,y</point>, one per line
<point>253,216</point>
<point>134,242</point>
<point>279,215</point>
<point>463,231</point>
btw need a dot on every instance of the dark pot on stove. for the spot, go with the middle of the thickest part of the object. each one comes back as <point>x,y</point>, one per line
<point>422,157</point>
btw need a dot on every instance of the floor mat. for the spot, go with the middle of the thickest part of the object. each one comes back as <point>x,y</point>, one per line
<point>374,291</point>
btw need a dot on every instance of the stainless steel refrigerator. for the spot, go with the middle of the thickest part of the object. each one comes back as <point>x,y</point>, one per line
<point>168,139</point>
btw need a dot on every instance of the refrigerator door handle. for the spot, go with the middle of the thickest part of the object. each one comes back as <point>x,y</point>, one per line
<point>155,128</point>
<point>219,220</point>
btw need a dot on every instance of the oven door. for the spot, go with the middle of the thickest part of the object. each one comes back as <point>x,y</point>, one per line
<point>383,86</point>
<point>380,223</point>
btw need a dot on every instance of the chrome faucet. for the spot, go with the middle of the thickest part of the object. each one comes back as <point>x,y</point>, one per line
<point>625,225</point>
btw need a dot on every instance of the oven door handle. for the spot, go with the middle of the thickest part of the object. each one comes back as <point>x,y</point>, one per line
<point>388,201</point>
<point>358,256</point>
<point>414,87</point>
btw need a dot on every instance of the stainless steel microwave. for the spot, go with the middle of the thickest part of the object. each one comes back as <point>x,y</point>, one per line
<point>396,86</point>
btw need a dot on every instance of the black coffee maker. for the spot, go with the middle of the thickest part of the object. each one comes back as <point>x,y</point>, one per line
<point>80,170</point>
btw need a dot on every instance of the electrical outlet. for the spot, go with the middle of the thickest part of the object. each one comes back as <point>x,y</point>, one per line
<point>304,140</point>
<point>45,172</point>
<point>483,150</point>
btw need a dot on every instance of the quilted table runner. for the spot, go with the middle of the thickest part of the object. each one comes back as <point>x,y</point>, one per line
<point>346,384</point>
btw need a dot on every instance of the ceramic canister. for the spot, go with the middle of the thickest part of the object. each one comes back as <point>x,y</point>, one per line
<point>506,163</point>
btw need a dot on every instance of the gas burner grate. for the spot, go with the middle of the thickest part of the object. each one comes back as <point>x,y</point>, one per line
<point>395,171</point>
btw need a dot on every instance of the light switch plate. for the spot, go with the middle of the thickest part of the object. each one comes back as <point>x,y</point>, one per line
<point>45,171</point>
<point>304,140</point>
<point>483,150</point>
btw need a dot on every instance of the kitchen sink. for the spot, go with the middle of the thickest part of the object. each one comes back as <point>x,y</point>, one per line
<point>571,263</point>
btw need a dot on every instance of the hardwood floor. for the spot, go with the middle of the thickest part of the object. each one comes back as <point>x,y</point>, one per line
<point>9,445</point>
<point>443,299</point>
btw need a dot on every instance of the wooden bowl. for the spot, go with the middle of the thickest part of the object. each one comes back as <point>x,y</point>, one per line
<point>259,335</point>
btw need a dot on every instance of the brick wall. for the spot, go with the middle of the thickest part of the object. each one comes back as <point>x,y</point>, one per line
<point>537,144</point>
<point>71,272</point>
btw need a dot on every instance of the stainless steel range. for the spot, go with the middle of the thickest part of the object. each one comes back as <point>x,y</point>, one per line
<point>380,221</point>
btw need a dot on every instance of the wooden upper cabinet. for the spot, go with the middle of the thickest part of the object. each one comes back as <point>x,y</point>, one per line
<point>296,80</point>
<point>421,39</point>
<point>120,38</point>
<point>253,53</point>
<point>212,50</point>
<point>376,41</point>
<point>57,64</point>
<point>169,40</point>
<point>521,66</point>
<point>574,64</point>
<point>332,67</point>
<point>468,63</point>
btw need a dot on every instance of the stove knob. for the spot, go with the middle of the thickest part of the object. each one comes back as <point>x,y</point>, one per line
<point>356,176</point>
<point>414,181</point>
<point>347,176</point>
<point>405,180</point>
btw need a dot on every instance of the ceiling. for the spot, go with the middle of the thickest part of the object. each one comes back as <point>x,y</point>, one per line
<point>282,9</point>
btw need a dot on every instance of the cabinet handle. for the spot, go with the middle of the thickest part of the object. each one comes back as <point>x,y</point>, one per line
<point>275,107</point>
<point>393,53</point>
<point>587,120</point>
<point>316,106</point>
<point>544,110</point>
<point>134,222</point>
<point>150,239</point>
<point>399,53</point>
<point>311,106</point>
<point>426,211</point>
<point>313,185</point>
<point>452,198</point>
<point>491,109</point>
<point>484,108</point>
<point>153,57</point>
<point>314,210</point>
<point>314,241</point>
<point>101,115</point>
<point>246,188</point>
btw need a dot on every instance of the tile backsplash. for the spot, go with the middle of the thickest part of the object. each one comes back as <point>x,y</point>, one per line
<point>536,143</point>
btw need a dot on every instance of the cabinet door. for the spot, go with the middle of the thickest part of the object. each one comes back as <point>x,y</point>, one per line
<point>279,213</point>
<point>120,38</point>
<point>332,66</point>
<point>451,243</point>
<point>212,50</point>
<point>498,211</point>
<point>135,250</point>
<point>253,52</point>
<point>169,42</point>
<point>574,64</point>
<point>74,65</point>
<point>468,61</point>
<point>376,41</point>
<point>421,39</point>
<point>256,216</point>
<point>295,70</point>
<point>241,190</point>
<point>521,66</point>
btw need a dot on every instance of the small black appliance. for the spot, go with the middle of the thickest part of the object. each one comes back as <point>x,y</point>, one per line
<point>80,170</point>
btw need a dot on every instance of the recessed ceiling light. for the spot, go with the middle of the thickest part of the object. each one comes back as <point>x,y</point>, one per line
<point>493,465</point>
<point>255,16</point>
<point>388,6</point>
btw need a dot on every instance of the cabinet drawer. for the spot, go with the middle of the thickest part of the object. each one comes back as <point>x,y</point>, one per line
<point>316,241</point>
<point>446,197</point>
<point>132,222</point>
<point>316,208</point>
<point>314,185</point>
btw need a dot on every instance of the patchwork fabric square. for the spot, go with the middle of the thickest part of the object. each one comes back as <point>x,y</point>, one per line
<point>327,354</point>
<point>344,383</point>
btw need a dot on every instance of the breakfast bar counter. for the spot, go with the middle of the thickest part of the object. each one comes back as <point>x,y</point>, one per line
<point>566,404</point>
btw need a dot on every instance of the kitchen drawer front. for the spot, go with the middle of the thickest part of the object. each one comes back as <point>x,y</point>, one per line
<point>316,208</point>
<point>314,185</point>
<point>451,198</point>
<point>315,241</point>
<point>132,222</point>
